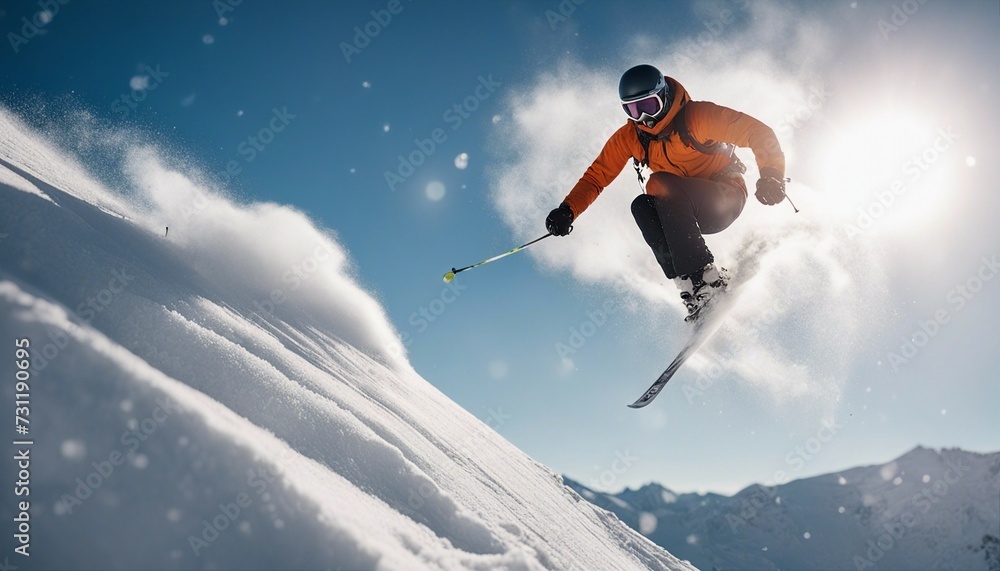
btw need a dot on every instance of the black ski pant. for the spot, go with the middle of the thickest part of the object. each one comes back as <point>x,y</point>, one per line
<point>674,214</point>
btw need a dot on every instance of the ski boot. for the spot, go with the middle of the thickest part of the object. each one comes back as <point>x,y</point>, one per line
<point>699,288</point>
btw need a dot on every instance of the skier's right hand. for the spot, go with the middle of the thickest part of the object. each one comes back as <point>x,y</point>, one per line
<point>770,190</point>
<point>560,220</point>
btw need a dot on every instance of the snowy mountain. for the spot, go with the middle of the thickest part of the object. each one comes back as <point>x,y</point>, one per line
<point>222,394</point>
<point>928,509</point>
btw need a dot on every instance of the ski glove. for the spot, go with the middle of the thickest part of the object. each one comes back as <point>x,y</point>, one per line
<point>770,190</point>
<point>560,221</point>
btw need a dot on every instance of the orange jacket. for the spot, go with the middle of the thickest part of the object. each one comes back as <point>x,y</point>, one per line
<point>707,122</point>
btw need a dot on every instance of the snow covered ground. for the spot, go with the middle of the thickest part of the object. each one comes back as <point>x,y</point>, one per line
<point>224,395</point>
<point>928,509</point>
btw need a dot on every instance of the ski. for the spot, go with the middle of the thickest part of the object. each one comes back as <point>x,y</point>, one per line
<point>708,322</point>
<point>665,377</point>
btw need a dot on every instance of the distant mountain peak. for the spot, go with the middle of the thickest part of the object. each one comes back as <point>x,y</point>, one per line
<point>941,503</point>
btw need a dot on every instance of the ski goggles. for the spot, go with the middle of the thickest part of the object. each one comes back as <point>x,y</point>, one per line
<point>644,108</point>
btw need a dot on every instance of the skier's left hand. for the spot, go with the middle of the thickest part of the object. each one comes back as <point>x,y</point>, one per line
<point>770,189</point>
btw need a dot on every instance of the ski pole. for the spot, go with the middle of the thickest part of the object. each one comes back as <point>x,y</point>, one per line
<point>792,203</point>
<point>451,275</point>
<point>789,197</point>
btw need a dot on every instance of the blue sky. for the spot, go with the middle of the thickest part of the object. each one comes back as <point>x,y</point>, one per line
<point>265,88</point>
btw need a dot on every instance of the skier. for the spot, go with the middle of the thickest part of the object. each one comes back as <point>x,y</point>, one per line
<point>683,153</point>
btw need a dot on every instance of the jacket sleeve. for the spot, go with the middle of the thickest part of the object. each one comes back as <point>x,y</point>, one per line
<point>602,172</point>
<point>708,121</point>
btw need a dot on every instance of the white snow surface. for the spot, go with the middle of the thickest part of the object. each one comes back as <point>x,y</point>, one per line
<point>232,382</point>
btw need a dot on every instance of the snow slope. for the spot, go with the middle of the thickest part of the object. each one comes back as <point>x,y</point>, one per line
<point>928,509</point>
<point>227,396</point>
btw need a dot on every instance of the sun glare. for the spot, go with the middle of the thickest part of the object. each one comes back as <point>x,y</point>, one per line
<point>866,154</point>
<point>888,170</point>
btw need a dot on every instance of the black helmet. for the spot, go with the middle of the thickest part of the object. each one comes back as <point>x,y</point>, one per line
<point>644,94</point>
